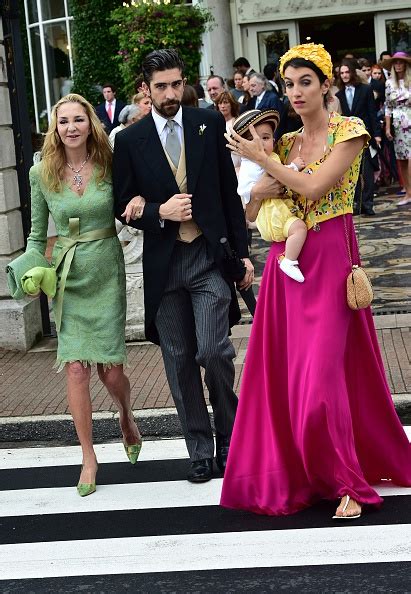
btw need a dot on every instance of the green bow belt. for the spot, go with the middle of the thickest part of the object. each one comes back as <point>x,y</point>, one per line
<point>66,254</point>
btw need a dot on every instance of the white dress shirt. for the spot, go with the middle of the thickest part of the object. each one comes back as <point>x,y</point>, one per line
<point>258,100</point>
<point>161,125</point>
<point>162,130</point>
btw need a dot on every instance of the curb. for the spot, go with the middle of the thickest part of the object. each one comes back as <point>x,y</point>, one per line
<point>153,423</point>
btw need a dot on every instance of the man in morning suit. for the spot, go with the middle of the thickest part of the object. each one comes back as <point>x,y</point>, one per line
<point>173,177</point>
<point>109,111</point>
<point>357,99</point>
<point>261,97</point>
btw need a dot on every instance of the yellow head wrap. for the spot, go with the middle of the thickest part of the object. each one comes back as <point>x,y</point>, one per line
<point>312,52</point>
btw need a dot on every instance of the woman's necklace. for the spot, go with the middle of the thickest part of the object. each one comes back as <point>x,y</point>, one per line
<point>301,143</point>
<point>302,137</point>
<point>78,179</point>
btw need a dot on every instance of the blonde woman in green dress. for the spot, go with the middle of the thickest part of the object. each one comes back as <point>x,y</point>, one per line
<point>72,182</point>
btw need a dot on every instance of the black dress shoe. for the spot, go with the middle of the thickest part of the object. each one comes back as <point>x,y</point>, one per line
<point>368,212</point>
<point>200,471</point>
<point>222,447</point>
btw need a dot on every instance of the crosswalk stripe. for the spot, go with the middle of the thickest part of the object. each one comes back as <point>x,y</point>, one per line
<point>170,494</point>
<point>149,520</point>
<point>162,449</point>
<point>340,545</point>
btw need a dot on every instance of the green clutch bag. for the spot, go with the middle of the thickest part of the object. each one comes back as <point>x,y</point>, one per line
<point>29,273</point>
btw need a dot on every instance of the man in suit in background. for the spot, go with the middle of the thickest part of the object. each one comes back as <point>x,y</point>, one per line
<point>357,99</point>
<point>243,65</point>
<point>173,175</point>
<point>109,111</point>
<point>215,86</point>
<point>261,97</point>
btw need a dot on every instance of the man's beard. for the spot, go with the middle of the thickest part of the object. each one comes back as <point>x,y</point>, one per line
<point>168,109</point>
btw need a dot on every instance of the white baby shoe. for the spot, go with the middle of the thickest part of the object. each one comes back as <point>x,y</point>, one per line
<point>291,269</point>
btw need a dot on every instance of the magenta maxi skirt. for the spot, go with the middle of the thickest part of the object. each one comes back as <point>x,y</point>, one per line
<point>315,417</point>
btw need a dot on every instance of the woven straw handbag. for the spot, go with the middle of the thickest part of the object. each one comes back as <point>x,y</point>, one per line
<point>359,287</point>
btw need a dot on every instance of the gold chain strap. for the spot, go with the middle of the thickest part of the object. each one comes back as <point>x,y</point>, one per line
<point>357,231</point>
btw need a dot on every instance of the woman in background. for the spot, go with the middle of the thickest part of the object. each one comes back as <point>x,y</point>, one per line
<point>398,107</point>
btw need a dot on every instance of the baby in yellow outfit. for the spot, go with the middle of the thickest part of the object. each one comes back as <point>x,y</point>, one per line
<point>283,224</point>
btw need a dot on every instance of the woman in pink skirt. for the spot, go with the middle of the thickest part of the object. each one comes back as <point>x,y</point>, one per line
<point>315,418</point>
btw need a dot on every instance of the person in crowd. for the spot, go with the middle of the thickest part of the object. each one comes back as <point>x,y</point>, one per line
<point>261,97</point>
<point>215,86</point>
<point>72,183</point>
<point>386,158</point>
<point>130,114</point>
<point>143,102</point>
<point>109,111</point>
<point>243,65</point>
<point>174,179</point>
<point>288,228</point>
<point>199,89</point>
<point>365,68</point>
<point>336,72</point>
<point>270,71</point>
<point>357,99</point>
<point>385,55</point>
<point>398,108</point>
<point>320,422</point>
<point>237,91</point>
<point>245,99</point>
<point>190,97</point>
<point>230,109</point>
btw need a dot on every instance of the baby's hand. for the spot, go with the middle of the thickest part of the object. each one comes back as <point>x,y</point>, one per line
<point>299,162</point>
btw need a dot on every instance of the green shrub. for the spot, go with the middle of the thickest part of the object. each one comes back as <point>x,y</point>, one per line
<point>143,27</point>
<point>94,49</point>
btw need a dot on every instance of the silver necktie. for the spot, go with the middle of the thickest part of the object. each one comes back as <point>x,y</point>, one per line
<point>173,146</point>
<point>350,97</point>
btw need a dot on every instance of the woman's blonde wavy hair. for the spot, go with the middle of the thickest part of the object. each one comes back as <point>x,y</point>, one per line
<point>53,157</point>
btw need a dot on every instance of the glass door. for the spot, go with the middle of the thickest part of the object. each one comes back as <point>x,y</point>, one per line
<point>267,42</point>
<point>393,31</point>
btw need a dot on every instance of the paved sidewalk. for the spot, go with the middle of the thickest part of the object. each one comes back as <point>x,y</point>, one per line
<point>33,397</point>
<point>30,387</point>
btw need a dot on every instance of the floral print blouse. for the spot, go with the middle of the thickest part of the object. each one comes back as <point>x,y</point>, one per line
<point>339,200</point>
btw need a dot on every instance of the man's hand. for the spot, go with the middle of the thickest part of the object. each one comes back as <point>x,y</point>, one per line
<point>267,187</point>
<point>177,208</point>
<point>378,141</point>
<point>134,209</point>
<point>249,275</point>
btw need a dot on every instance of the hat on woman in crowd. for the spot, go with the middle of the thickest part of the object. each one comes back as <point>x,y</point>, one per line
<point>387,63</point>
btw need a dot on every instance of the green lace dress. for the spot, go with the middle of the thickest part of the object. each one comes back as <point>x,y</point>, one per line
<point>91,323</point>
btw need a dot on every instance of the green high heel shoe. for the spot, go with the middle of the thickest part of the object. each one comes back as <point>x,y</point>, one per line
<point>84,489</point>
<point>133,451</point>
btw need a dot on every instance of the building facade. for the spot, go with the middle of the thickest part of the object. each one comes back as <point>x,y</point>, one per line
<point>264,30</point>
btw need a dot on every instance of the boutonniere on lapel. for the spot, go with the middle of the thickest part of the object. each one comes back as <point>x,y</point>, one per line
<point>201,129</point>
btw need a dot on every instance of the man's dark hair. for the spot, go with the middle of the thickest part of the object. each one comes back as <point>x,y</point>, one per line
<point>354,78</point>
<point>384,53</point>
<point>160,60</point>
<point>108,85</point>
<point>199,90</point>
<point>220,78</point>
<point>241,62</point>
<point>269,70</point>
<point>363,62</point>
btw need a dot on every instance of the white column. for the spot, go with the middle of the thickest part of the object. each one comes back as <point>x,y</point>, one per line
<point>218,51</point>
